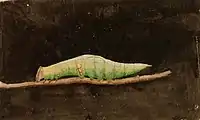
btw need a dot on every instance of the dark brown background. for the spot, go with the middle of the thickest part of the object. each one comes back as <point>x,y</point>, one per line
<point>45,32</point>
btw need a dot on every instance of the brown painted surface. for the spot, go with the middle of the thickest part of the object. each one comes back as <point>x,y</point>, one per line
<point>37,33</point>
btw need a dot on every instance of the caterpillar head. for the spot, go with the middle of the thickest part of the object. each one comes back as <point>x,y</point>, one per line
<point>39,74</point>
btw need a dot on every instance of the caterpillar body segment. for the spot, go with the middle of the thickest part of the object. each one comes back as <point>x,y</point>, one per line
<point>91,66</point>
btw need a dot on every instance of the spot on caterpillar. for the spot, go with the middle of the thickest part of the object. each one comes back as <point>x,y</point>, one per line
<point>91,66</point>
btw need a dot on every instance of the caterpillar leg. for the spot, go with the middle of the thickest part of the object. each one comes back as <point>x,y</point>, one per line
<point>50,79</point>
<point>53,80</point>
<point>45,80</point>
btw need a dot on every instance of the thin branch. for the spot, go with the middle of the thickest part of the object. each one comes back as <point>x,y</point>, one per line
<point>73,80</point>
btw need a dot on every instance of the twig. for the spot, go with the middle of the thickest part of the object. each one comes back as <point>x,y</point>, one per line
<point>73,80</point>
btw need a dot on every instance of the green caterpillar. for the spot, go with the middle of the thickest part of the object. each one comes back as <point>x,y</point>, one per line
<point>91,66</point>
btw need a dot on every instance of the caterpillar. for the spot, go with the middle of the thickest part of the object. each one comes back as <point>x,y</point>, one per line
<point>91,66</point>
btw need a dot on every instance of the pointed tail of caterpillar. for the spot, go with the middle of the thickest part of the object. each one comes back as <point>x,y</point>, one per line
<point>91,66</point>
